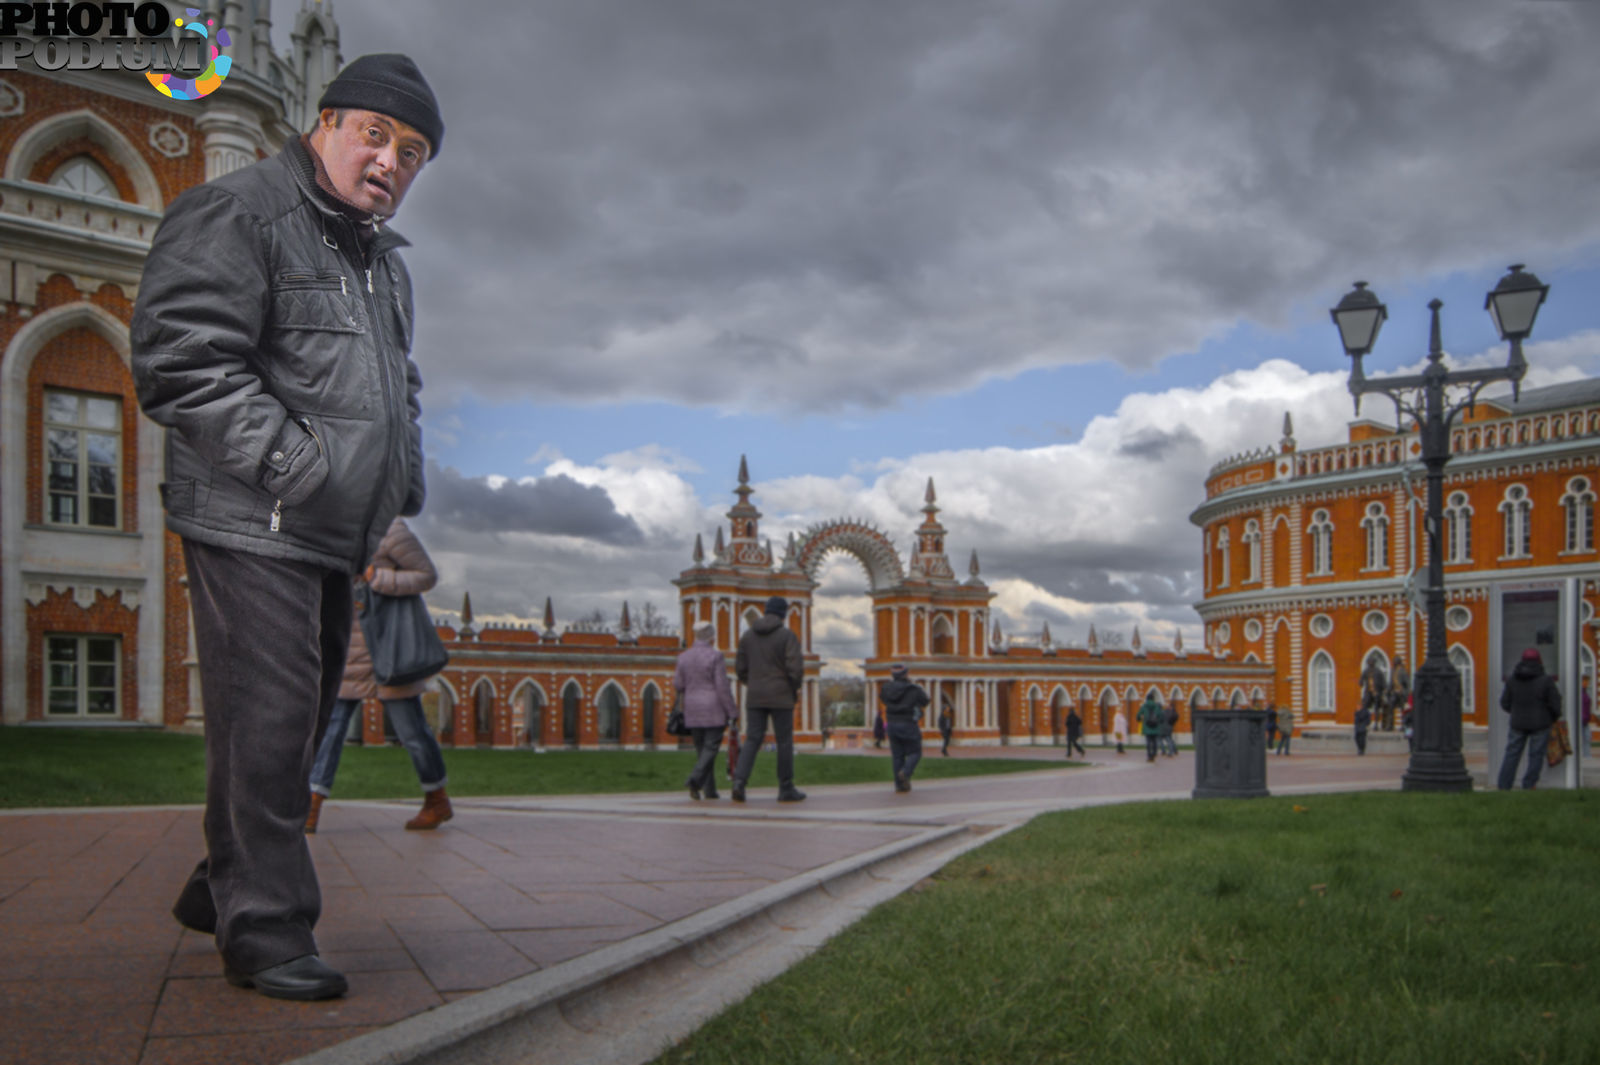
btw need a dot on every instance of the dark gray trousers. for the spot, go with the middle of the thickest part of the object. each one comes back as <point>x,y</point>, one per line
<point>782,731</point>
<point>271,636</point>
<point>707,742</point>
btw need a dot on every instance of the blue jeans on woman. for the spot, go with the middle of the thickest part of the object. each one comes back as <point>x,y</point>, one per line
<point>409,724</point>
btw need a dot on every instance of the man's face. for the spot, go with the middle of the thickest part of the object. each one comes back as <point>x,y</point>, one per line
<point>370,158</point>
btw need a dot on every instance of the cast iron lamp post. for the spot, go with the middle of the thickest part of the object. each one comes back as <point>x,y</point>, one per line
<point>1432,399</point>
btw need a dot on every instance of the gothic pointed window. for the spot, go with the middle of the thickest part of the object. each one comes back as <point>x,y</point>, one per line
<point>1578,503</point>
<point>1462,661</point>
<point>1321,544</point>
<point>1376,524</point>
<point>1320,684</point>
<point>1517,512</point>
<point>1458,528</point>
<point>82,174</point>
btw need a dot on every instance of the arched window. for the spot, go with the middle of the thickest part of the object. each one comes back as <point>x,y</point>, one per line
<point>1252,542</point>
<point>83,175</point>
<point>648,710</point>
<point>1458,528</point>
<point>1321,544</point>
<point>1376,524</point>
<point>571,697</point>
<point>609,717</point>
<point>483,713</point>
<point>1517,510</point>
<point>944,636</point>
<point>532,715</point>
<point>1320,683</point>
<point>1579,506</point>
<point>1460,659</point>
<point>1222,557</point>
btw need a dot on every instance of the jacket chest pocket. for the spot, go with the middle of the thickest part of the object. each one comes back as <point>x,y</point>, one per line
<point>316,349</point>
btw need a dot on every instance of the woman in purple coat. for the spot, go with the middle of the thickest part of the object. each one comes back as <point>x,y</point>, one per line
<point>706,697</point>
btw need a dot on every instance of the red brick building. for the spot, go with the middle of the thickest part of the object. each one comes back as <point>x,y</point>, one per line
<point>1313,558</point>
<point>93,622</point>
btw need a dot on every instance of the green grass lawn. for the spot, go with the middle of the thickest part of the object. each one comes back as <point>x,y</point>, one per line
<point>1377,928</point>
<point>42,767</point>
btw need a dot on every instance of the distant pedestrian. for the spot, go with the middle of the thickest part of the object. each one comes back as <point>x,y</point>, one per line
<point>1169,730</point>
<point>1285,729</point>
<point>1271,726</point>
<point>1363,723</point>
<point>1399,694</point>
<point>1119,729</point>
<point>1534,703</point>
<point>947,728</point>
<point>1151,718</point>
<point>879,731</point>
<point>1587,711</point>
<point>771,668</point>
<point>706,697</point>
<point>902,705</point>
<point>1075,733</point>
<point>400,566</point>
<point>1375,696</point>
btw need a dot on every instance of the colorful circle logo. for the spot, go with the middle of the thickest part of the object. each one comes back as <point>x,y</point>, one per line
<point>211,78</point>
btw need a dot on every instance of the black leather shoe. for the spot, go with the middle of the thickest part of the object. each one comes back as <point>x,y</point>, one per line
<point>901,783</point>
<point>694,793</point>
<point>304,979</point>
<point>792,795</point>
<point>738,791</point>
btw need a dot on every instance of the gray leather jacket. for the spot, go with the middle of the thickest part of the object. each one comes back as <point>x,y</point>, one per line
<point>278,354</point>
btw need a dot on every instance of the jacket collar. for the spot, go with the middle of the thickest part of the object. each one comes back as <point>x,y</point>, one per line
<point>297,157</point>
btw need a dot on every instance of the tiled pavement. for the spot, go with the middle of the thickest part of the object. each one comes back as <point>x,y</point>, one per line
<point>93,968</point>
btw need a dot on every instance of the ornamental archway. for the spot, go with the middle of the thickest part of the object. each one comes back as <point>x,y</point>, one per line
<point>875,551</point>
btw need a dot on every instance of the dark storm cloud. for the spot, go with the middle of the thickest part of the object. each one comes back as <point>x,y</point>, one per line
<point>556,505</point>
<point>1101,572</point>
<point>804,206</point>
<point>1154,445</point>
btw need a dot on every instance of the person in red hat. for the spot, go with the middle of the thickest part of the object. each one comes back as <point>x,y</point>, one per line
<point>1534,703</point>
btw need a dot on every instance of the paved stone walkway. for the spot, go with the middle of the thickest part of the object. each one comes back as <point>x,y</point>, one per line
<point>93,968</point>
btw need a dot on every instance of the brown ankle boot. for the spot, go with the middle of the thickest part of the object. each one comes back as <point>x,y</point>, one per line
<point>315,814</point>
<point>435,811</point>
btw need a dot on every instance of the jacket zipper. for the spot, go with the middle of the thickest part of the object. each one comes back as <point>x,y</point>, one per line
<point>277,504</point>
<point>385,385</point>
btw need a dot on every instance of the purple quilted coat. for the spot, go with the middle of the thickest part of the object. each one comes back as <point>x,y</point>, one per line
<point>702,683</point>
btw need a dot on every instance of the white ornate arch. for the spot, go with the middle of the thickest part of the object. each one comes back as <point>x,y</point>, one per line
<point>37,140</point>
<point>874,550</point>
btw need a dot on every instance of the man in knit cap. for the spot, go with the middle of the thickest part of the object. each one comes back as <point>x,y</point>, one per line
<point>771,668</point>
<point>902,704</point>
<point>272,338</point>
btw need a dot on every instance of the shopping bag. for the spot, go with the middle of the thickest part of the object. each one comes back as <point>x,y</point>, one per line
<point>675,724</point>
<point>404,645</point>
<point>1560,744</point>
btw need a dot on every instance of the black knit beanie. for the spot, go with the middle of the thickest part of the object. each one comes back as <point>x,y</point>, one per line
<point>778,605</point>
<point>390,84</point>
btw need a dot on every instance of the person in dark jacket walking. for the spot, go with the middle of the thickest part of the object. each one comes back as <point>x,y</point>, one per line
<point>701,680</point>
<point>1151,718</point>
<point>1075,733</point>
<point>1534,703</point>
<point>271,337</point>
<point>770,666</point>
<point>400,566</point>
<point>902,707</point>
<point>947,728</point>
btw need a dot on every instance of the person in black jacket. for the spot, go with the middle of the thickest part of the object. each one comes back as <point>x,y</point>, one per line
<point>1534,703</point>
<point>272,338</point>
<point>902,706</point>
<point>1075,733</point>
<point>771,667</point>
